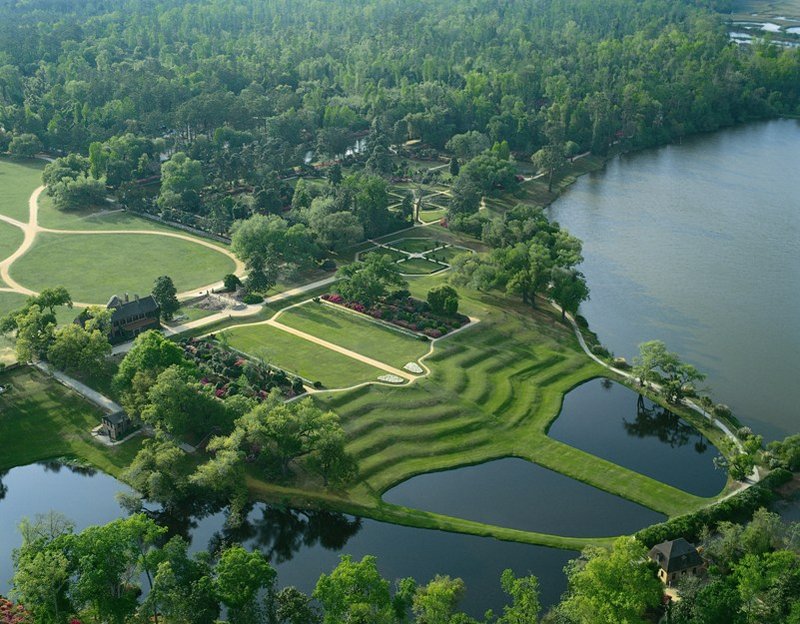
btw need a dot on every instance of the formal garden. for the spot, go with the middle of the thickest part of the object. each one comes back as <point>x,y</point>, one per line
<point>228,373</point>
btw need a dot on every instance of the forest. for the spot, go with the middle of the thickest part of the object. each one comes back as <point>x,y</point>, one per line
<point>250,89</point>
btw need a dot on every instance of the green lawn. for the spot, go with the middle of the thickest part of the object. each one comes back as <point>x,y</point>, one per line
<point>93,219</point>
<point>418,266</point>
<point>429,216</point>
<point>10,238</point>
<point>361,335</point>
<point>40,419</point>
<point>300,356</point>
<point>94,267</point>
<point>18,179</point>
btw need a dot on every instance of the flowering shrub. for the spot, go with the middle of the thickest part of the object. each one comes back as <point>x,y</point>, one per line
<point>226,372</point>
<point>11,613</point>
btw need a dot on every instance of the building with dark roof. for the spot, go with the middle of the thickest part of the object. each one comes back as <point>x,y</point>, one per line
<point>129,317</point>
<point>676,559</point>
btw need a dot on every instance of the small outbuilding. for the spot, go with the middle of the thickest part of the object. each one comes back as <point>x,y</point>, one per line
<point>677,559</point>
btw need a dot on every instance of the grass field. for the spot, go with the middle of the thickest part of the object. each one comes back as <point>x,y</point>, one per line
<point>94,267</point>
<point>382,251</point>
<point>429,216</point>
<point>53,422</point>
<point>299,356</point>
<point>18,179</point>
<point>447,254</point>
<point>351,332</point>
<point>418,266</point>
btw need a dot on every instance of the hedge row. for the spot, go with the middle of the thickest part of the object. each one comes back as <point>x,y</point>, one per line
<point>736,508</point>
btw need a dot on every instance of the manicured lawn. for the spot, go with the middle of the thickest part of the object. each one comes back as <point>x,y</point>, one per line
<point>429,216</point>
<point>10,238</point>
<point>414,245</point>
<point>94,267</point>
<point>301,357</point>
<point>361,335</point>
<point>18,179</point>
<point>418,266</point>
<point>40,419</point>
<point>108,218</point>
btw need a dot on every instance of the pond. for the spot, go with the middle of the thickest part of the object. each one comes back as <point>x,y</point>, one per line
<point>611,421</point>
<point>518,494</point>
<point>698,244</point>
<point>301,545</point>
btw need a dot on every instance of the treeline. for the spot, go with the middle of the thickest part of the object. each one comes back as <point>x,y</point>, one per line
<point>297,76</point>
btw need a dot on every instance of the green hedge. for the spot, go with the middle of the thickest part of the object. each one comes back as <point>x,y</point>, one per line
<point>736,508</point>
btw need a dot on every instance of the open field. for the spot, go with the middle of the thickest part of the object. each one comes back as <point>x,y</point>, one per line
<point>94,267</point>
<point>18,178</point>
<point>53,422</point>
<point>299,356</point>
<point>414,245</point>
<point>361,335</point>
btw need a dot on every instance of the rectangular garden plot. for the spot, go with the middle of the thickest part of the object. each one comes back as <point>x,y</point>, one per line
<point>361,335</point>
<point>300,357</point>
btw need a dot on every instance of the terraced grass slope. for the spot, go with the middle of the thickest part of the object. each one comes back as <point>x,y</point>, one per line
<point>493,390</point>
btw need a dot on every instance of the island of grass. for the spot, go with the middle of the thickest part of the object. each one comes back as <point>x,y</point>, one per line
<point>356,332</point>
<point>93,267</point>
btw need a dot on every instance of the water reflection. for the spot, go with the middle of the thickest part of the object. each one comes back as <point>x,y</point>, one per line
<point>280,533</point>
<point>614,422</point>
<point>652,420</point>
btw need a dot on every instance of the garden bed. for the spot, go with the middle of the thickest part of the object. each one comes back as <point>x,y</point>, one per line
<point>229,372</point>
<point>404,311</point>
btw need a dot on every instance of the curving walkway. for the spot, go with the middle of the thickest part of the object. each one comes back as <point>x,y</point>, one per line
<point>31,230</point>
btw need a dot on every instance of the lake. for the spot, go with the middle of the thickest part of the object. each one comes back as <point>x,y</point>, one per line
<point>698,245</point>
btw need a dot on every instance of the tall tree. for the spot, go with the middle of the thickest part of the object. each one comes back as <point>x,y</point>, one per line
<point>166,296</point>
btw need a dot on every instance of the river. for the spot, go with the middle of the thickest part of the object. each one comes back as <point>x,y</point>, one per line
<point>698,245</point>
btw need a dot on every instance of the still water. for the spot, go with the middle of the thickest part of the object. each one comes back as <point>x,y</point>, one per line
<point>611,421</point>
<point>517,494</point>
<point>698,245</point>
<point>301,545</point>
